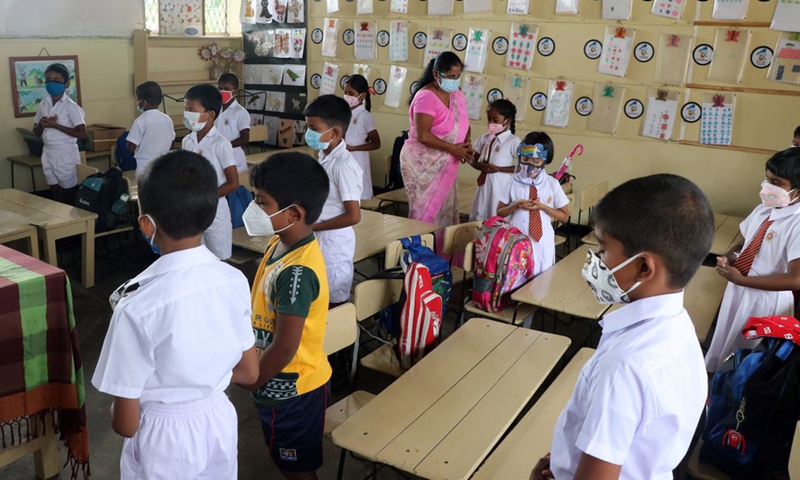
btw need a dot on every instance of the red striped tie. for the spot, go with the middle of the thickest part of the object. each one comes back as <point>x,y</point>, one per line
<point>534,218</point>
<point>745,260</point>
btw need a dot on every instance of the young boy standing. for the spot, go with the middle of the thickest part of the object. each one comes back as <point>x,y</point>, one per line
<point>179,335</point>
<point>290,307</point>
<point>637,401</point>
<point>202,104</point>
<point>234,121</point>
<point>328,118</point>
<point>60,123</point>
<point>152,132</point>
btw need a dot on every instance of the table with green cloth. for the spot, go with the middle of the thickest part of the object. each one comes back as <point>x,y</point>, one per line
<point>41,373</point>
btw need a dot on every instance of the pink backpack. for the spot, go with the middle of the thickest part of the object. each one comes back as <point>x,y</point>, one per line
<point>420,317</point>
<point>503,263</point>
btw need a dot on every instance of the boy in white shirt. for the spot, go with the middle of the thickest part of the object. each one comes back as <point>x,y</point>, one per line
<point>234,121</point>
<point>637,401</point>
<point>327,118</point>
<point>153,132</point>
<point>179,335</point>
<point>202,104</point>
<point>60,123</point>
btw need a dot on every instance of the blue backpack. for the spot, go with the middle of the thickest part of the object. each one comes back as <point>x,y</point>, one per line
<point>125,160</point>
<point>238,202</point>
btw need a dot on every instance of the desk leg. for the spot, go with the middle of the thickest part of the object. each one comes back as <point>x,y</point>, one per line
<point>46,460</point>
<point>12,174</point>
<point>50,254</point>
<point>33,245</point>
<point>33,180</point>
<point>87,252</point>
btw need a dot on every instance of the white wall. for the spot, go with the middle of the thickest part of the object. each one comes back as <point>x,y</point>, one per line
<point>70,18</point>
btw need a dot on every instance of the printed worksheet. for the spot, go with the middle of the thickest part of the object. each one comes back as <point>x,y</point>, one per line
<point>522,45</point>
<point>364,47</point>
<point>716,125</point>
<point>330,72</point>
<point>617,47</point>
<point>559,103</point>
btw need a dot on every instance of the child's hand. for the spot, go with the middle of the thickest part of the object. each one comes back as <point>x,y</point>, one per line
<point>526,205</point>
<point>491,168</point>
<point>542,469</point>
<point>462,151</point>
<point>48,122</point>
<point>722,261</point>
<point>729,272</point>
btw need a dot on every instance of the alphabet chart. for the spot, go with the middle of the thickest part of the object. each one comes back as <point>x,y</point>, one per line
<point>617,46</point>
<point>398,41</point>
<point>364,47</point>
<point>522,40</point>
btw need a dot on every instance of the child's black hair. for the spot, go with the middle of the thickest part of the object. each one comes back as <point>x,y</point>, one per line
<point>60,69</point>
<point>786,164</point>
<point>150,92</point>
<point>507,110</point>
<point>332,110</point>
<point>797,132</point>
<point>360,85</point>
<point>208,96</point>
<point>442,63</point>
<point>179,190</point>
<point>230,79</point>
<point>293,178</point>
<point>663,214</point>
<point>540,137</point>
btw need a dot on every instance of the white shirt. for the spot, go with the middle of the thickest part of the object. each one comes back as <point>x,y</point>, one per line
<point>361,123</point>
<point>215,148</point>
<point>230,123</point>
<point>781,244</point>
<point>177,337</point>
<point>637,401</point>
<point>503,154</point>
<point>67,112</point>
<point>345,177</point>
<point>152,133</point>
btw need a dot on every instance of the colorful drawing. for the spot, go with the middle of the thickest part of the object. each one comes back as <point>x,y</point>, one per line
<point>522,41</point>
<point>617,46</point>
<point>399,6</point>
<point>559,103</point>
<point>330,72</point>
<point>716,126</point>
<point>364,48</point>
<point>180,17</point>
<point>659,118</point>
<point>27,88</point>
<point>330,37</point>
<point>438,42</point>
<point>668,8</point>
<point>786,63</point>
<point>478,43</point>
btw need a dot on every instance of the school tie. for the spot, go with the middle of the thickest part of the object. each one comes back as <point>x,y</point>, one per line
<point>745,259</point>
<point>482,176</point>
<point>534,217</point>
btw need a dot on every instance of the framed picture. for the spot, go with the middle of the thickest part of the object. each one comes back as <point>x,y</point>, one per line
<point>181,17</point>
<point>27,81</point>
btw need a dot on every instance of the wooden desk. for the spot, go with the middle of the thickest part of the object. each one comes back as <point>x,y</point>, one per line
<point>443,416</point>
<point>53,221</point>
<point>14,227</point>
<point>701,299</point>
<point>33,161</point>
<point>256,158</point>
<point>726,233</point>
<point>466,195</point>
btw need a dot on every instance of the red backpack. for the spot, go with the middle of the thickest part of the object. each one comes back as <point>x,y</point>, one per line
<point>420,317</point>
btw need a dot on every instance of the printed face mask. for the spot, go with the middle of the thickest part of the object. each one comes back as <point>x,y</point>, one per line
<point>602,282</point>
<point>192,121</point>
<point>773,196</point>
<point>313,139</point>
<point>258,223</point>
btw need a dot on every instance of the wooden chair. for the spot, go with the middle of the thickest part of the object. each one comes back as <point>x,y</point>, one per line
<point>395,248</point>
<point>258,135</point>
<point>508,315</point>
<point>456,239</point>
<point>560,239</point>
<point>376,204</point>
<point>370,297</point>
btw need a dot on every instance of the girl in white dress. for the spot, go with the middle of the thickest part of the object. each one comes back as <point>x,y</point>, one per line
<point>362,136</point>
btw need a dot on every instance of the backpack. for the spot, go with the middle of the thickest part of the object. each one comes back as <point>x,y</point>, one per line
<point>420,318</point>
<point>754,403</point>
<point>439,268</point>
<point>503,263</point>
<point>238,200</point>
<point>125,159</point>
<point>105,194</point>
<point>395,175</point>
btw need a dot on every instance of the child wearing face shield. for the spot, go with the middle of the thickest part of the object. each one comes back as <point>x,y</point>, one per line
<point>534,199</point>
<point>763,269</point>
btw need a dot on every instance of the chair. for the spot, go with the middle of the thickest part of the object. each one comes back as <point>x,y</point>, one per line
<point>456,238</point>
<point>395,248</point>
<point>370,297</point>
<point>258,135</point>
<point>508,315</point>
<point>244,179</point>
<point>376,204</point>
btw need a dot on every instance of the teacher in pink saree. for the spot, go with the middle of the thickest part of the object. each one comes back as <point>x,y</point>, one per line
<point>438,142</point>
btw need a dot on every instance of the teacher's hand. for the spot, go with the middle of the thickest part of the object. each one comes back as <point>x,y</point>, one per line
<point>463,152</point>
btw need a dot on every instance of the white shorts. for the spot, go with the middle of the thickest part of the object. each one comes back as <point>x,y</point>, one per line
<point>192,440</point>
<point>59,164</point>
<point>219,236</point>
<point>338,247</point>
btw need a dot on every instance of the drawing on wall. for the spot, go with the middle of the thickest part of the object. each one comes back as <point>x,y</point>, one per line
<point>438,42</point>
<point>617,9</point>
<point>785,65</point>
<point>330,37</point>
<point>522,39</point>
<point>516,91</point>
<point>398,6</point>
<point>731,50</point>
<point>617,46</point>
<point>607,105</point>
<point>398,41</point>
<point>559,103</point>
<point>181,17</point>
<point>364,48</point>
<point>477,45</point>
<point>330,72</point>
<point>659,118</point>
<point>668,8</point>
<point>716,126</point>
<point>473,87</point>
<point>27,82</point>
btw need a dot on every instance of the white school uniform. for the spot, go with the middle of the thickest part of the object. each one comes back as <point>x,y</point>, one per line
<point>551,194</point>
<point>637,401</point>
<point>219,152</point>
<point>338,246</point>
<point>503,153</point>
<point>780,246</point>
<point>152,133</point>
<point>230,123</point>
<point>60,154</point>
<point>177,331</point>
<point>361,123</point>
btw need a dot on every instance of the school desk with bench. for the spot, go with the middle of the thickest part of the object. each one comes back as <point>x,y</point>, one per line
<point>35,161</point>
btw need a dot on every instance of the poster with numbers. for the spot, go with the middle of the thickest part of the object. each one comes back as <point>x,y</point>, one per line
<point>438,42</point>
<point>522,45</point>
<point>617,9</point>
<point>518,7</point>
<point>729,10</point>
<point>473,87</point>
<point>477,45</point>
<point>364,47</point>
<point>716,126</point>
<point>668,8</point>
<point>394,90</point>
<point>398,41</point>
<point>787,16</point>
<point>398,6</point>
<point>330,72</point>
<point>617,47</point>
<point>559,103</point>
<point>659,116</point>
<point>330,37</point>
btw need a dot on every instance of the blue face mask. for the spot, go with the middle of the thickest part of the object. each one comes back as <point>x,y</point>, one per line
<point>139,107</point>
<point>312,139</point>
<point>449,85</point>
<point>55,88</point>
<point>151,240</point>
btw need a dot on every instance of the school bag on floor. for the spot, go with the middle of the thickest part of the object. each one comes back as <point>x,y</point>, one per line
<point>105,194</point>
<point>754,403</point>
<point>420,316</point>
<point>503,263</point>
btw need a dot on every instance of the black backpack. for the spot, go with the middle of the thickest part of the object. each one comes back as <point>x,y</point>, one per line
<point>395,175</point>
<point>105,194</point>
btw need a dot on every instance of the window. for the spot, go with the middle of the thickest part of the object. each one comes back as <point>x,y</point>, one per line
<point>215,16</point>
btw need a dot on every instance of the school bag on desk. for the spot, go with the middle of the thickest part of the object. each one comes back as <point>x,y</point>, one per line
<point>105,194</point>
<point>503,263</point>
<point>754,403</point>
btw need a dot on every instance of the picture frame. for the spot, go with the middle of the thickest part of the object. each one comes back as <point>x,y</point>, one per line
<point>27,81</point>
<point>181,18</point>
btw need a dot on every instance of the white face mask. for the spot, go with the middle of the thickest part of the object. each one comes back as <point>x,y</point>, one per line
<point>258,223</point>
<point>773,196</point>
<point>192,121</point>
<point>602,282</point>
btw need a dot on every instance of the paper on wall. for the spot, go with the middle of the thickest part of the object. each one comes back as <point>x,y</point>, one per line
<point>668,8</point>
<point>438,42</point>
<point>477,6</point>
<point>659,116</point>
<point>731,52</point>
<point>330,37</point>
<point>617,46</point>
<point>522,45</point>
<point>515,90</point>
<point>364,7</point>
<point>398,6</point>
<point>617,9</point>
<point>394,90</point>
<point>295,11</point>
<point>364,46</point>
<point>294,75</point>
<point>785,65</point>
<point>477,45</point>
<point>398,41</point>
<point>568,7</point>
<point>729,9</point>
<point>559,103</point>
<point>362,69</point>
<point>473,88</point>
<point>332,6</point>
<point>716,125</point>
<point>518,7</point>
<point>787,16</point>
<point>330,72</point>
<point>440,7</point>
<point>607,101</point>
<point>673,59</point>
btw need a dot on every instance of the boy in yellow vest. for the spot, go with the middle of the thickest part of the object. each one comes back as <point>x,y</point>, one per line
<point>290,308</point>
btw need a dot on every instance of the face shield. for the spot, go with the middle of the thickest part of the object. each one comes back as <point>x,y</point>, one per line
<point>530,164</point>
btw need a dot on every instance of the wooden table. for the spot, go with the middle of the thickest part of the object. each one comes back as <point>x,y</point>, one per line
<point>256,158</point>
<point>444,415</point>
<point>14,227</point>
<point>34,161</point>
<point>726,233</point>
<point>54,221</point>
<point>466,195</point>
<point>701,299</point>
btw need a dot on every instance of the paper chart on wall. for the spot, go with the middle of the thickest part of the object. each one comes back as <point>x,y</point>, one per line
<point>283,42</point>
<point>668,8</point>
<point>787,16</point>
<point>364,47</point>
<point>364,7</point>
<point>332,6</point>
<point>477,6</point>
<point>295,11</point>
<point>568,7</point>
<point>256,119</point>
<point>440,7</point>
<point>559,103</point>
<point>477,45</point>
<point>731,52</point>
<point>298,42</point>
<point>522,45</point>
<point>276,102</point>
<point>181,17</point>
<point>330,72</point>
<point>659,116</point>
<point>362,69</point>
<point>673,59</point>
<point>729,10</point>
<point>398,6</point>
<point>247,13</point>
<point>330,37</point>
<point>515,89</point>
<point>280,10</point>
<point>272,124</point>
<point>394,90</point>
<point>473,87</point>
<point>785,65</point>
<point>617,46</point>
<point>256,100</point>
<point>716,125</point>
<point>252,73</point>
<point>438,41</point>
<point>617,9</point>
<point>607,106</point>
<point>398,41</point>
<point>294,75</point>
<point>518,7</point>
<point>272,74</point>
